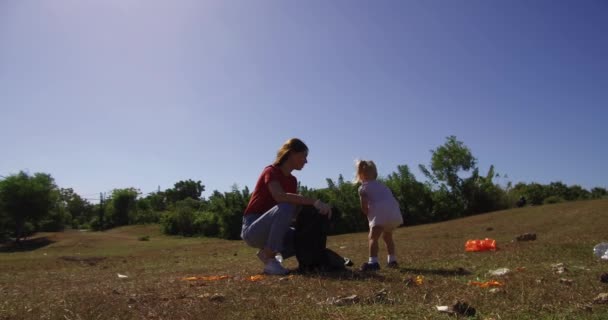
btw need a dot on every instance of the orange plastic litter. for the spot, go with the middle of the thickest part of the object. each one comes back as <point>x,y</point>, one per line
<point>480,245</point>
<point>206,278</point>
<point>256,278</point>
<point>491,283</point>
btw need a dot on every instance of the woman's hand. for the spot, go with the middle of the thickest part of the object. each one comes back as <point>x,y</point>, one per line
<point>323,208</point>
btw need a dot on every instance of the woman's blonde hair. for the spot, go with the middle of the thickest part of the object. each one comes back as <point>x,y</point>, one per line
<point>290,146</point>
<point>367,168</point>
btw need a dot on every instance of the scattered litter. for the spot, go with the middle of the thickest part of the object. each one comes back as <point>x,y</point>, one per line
<point>342,247</point>
<point>206,278</point>
<point>601,298</point>
<point>342,301</point>
<point>566,281</point>
<point>604,278</point>
<point>285,278</point>
<point>223,277</point>
<point>539,281</point>
<point>526,237</point>
<point>480,245</point>
<point>257,277</point>
<point>459,308</point>
<point>121,276</point>
<point>486,284</point>
<point>417,280</point>
<point>218,297</point>
<point>499,272</point>
<point>520,269</point>
<point>381,297</point>
<point>495,290</point>
<point>445,309</point>
<point>559,268</point>
<point>601,250</point>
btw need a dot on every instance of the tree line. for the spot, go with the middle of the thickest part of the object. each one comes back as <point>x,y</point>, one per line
<point>453,188</point>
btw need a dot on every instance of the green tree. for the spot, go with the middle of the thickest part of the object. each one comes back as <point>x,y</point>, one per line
<point>448,161</point>
<point>597,193</point>
<point>415,198</point>
<point>185,189</point>
<point>78,208</point>
<point>122,206</point>
<point>157,201</point>
<point>27,199</point>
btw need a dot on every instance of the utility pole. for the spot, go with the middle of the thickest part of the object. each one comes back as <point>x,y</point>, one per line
<point>101,209</point>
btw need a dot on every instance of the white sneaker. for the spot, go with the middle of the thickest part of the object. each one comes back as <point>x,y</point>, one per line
<point>275,268</point>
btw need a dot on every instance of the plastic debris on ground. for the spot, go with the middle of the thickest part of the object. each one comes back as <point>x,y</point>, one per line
<point>601,250</point>
<point>206,278</point>
<point>486,284</point>
<point>417,280</point>
<point>480,245</point>
<point>459,308</point>
<point>559,268</point>
<point>499,272</point>
<point>601,298</point>
<point>526,237</point>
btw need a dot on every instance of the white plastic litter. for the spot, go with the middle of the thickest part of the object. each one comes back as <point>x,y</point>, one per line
<point>121,276</point>
<point>601,250</point>
<point>499,272</point>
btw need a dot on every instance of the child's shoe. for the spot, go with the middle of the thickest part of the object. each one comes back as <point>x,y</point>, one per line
<point>370,266</point>
<point>393,265</point>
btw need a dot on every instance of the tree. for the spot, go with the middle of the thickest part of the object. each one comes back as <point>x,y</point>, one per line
<point>26,198</point>
<point>414,197</point>
<point>78,208</point>
<point>447,162</point>
<point>185,189</point>
<point>157,201</point>
<point>449,159</point>
<point>123,203</point>
<point>597,193</point>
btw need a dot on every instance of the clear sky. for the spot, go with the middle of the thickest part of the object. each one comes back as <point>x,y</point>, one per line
<point>137,93</point>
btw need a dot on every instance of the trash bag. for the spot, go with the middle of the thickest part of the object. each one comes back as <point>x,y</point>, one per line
<point>480,245</point>
<point>311,229</point>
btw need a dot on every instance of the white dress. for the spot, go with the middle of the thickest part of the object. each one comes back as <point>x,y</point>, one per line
<point>383,208</point>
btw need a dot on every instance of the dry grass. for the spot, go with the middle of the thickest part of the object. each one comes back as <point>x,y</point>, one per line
<point>73,275</point>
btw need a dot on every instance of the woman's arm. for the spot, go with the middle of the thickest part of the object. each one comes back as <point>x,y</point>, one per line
<point>281,196</point>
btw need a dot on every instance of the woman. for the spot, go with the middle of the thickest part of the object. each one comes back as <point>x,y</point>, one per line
<point>268,216</point>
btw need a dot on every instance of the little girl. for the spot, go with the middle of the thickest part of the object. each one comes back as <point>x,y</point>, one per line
<point>382,211</point>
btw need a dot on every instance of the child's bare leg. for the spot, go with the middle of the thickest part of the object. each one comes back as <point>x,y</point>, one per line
<point>387,236</point>
<point>374,235</point>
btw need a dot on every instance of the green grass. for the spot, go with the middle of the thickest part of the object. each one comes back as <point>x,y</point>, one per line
<point>75,276</point>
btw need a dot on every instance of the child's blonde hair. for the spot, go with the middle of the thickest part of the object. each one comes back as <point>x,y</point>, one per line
<point>367,168</point>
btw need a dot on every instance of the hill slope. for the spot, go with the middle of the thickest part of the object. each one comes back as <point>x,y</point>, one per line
<point>75,275</point>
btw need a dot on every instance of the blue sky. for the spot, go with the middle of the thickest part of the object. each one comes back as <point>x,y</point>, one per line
<point>133,93</point>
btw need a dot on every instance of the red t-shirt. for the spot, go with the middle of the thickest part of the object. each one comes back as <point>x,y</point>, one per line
<point>261,198</point>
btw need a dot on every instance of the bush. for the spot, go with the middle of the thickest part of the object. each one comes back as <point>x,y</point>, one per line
<point>180,221</point>
<point>144,216</point>
<point>553,199</point>
<point>207,224</point>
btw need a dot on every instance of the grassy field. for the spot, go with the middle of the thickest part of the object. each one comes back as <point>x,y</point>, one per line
<point>74,275</point>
